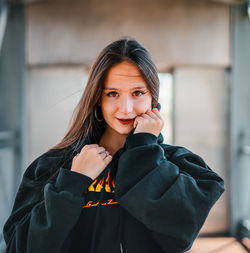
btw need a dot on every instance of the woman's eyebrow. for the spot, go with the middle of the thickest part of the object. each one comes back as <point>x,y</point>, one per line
<point>138,87</point>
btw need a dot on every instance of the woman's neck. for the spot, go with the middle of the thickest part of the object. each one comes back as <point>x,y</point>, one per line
<point>112,141</point>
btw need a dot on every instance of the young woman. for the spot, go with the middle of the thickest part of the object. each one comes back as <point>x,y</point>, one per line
<point>111,185</point>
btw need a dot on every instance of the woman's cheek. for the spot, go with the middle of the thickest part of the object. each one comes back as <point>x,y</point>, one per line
<point>109,108</point>
<point>143,107</point>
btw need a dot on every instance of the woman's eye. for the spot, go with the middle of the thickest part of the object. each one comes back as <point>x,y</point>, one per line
<point>115,94</point>
<point>111,94</point>
<point>139,93</point>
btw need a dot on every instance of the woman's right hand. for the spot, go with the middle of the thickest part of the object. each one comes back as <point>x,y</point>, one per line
<point>91,161</point>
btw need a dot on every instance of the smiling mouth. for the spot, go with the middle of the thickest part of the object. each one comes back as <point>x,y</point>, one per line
<point>125,121</point>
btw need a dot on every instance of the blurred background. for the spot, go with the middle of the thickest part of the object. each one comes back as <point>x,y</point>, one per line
<point>202,52</point>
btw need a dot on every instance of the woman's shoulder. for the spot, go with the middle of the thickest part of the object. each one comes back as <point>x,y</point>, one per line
<point>176,150</point>
<point>48,162</point>
<point>173,152</point>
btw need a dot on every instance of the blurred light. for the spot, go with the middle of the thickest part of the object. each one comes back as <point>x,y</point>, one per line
<point>248,10</point>
<point>3,20</point>
<point>166,101</point>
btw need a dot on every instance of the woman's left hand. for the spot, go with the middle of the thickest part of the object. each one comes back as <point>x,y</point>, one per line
<point>150,122</point>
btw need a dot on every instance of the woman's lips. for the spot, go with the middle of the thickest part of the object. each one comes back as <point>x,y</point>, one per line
<point>125,121</point>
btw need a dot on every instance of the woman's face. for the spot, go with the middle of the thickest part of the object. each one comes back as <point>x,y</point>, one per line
<point>125,95</point>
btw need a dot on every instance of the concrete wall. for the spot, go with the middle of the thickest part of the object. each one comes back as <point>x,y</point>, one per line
<point>200,123</point>
<point>53,94</point>
<point>176,32</point>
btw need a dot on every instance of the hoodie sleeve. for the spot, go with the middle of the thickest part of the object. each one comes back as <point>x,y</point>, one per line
<point>170,190</point>
<point>43,217</point>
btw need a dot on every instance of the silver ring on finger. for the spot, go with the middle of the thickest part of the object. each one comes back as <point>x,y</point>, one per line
<point>105,154</point>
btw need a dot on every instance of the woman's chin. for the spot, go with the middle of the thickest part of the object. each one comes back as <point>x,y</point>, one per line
<point>121,129</point>
<point>124,130</point>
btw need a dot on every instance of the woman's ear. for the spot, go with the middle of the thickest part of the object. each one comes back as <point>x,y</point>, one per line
<point>154,104</point>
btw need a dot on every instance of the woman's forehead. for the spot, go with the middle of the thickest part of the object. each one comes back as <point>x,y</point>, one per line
<point>124,73</point>
<point>124,82</point>
<point>124,68</point>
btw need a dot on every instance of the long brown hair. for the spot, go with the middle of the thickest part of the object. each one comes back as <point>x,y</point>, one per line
<point>83,122</point>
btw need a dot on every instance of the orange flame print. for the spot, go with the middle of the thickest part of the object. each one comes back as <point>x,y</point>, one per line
<point>91,187</point>
<point>107,187</point>
<point>99,185</point>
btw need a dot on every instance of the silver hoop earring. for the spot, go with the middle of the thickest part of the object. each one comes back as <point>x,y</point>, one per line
<point>95,111</point>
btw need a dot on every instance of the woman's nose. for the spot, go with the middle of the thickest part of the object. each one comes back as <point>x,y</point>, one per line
<point>126,104</point>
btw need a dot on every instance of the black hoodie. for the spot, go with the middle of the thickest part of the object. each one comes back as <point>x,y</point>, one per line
<point>151,198</point>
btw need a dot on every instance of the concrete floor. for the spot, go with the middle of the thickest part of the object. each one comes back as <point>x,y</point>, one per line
<point>217,245</point>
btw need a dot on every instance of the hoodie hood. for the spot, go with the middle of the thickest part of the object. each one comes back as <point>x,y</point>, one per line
<point>79,144</point>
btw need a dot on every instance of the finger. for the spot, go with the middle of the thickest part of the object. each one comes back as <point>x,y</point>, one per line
<point>108,159</point>
<point>157,113</point>
<point>93,145</point>
<point>76,156</point>
<point>100,149</point>
<point>149,116</point>
<point>157,117</point>
<point>149,113</point>
<point>160,119</point>
<point>88,146</point>
<point>139,119</point>
<point>104,154</point>
<point>136,121</point>
<point>153,115</point>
